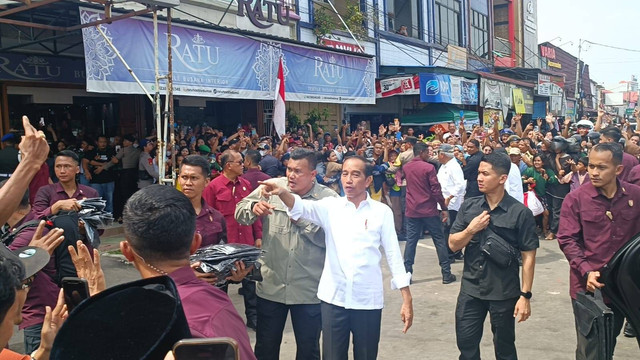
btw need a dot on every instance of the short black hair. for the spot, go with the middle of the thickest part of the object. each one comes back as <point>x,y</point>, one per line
<point>584,160</point>
<point>197,161</point>
<point>159,223</point>
<point>102,136</point>
<point>500,162</point>
<point>309,155</point>
<point>475,143</point>
<point>24,202</point>
<point>368,168</point>
<point>227,156</point>
<point>253,156</point>
<point>69,154</point>
<point>612,133</point>
<point>411,140</point>
<point>419,148</point>
<point>11,274</point>
<point>614,148</point>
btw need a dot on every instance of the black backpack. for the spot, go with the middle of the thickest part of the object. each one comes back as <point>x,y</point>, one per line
<point>67,221</point>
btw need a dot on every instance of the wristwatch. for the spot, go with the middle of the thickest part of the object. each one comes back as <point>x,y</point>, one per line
<point>527,295</point>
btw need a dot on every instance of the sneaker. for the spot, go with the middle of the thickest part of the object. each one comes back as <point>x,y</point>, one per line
<point>448,279</point>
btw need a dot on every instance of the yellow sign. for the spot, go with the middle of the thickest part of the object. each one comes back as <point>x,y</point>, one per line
<point>518,101</point>
<point>554,64</point>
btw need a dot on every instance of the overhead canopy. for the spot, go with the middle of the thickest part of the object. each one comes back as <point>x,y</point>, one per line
<point>438,114</point>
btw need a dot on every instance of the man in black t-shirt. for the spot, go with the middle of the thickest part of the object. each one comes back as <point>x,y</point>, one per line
<point>97,169</point>
<point>487,284</point>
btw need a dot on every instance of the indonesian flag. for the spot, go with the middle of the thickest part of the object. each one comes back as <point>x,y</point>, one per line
<point>278,106</point>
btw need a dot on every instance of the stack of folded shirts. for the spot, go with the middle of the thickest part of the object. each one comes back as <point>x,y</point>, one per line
<point>220,259</point>
<point>94,218</point>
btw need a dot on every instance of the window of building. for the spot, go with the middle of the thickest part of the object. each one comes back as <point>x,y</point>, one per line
<point>448,22</point>
<point>479,34</point>
<point>403,17</point>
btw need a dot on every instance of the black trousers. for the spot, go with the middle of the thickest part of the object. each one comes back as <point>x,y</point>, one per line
<point>470,315</point>
<point>272,317</point>
<point>618,321</point>
<point>250,299</point>
<point>338,323</point>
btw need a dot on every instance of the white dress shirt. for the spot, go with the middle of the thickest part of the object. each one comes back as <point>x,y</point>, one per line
<point>352,276</point>
<point>514,184</point>
<point>452,182</point>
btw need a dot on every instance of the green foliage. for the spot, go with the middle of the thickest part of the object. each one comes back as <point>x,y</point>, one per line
<point>316,115</point>
<point>293,121</point>
<point>354,18</point>
<point>323,23</point>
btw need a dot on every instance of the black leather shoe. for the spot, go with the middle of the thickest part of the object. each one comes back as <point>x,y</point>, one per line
<point>629,331</point>
<point>448,279</point>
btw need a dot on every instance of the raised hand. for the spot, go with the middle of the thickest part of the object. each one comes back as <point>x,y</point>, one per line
<point>88,268</point>
<point>48,242</point>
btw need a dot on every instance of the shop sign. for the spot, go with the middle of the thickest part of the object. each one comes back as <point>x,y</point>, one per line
<point>440,88</point>
<point>548,52</point>
<point>219,64</point>
<point>256,14</point>
<point>550,85</point>
<point>53,69</point>
<point>456,57</point>
<point>341,45</point>
<point>553,64</point>
<point>404,85</point>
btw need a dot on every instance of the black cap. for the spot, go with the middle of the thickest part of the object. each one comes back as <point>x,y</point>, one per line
<point>33,258</point>
<point>138,320</point>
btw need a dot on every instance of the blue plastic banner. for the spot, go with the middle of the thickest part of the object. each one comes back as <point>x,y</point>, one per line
<point>210,63</point>
<point>439,88</point>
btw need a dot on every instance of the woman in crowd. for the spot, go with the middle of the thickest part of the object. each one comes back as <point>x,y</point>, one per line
<point>538,176</point>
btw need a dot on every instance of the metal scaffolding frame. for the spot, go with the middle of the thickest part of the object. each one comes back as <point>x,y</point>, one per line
<point>164,121</point>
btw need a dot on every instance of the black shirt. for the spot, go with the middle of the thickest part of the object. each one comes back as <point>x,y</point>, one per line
<point>101,156</point>
<point>511,220</point>
<point>8,160</point>
<point>470,172</point>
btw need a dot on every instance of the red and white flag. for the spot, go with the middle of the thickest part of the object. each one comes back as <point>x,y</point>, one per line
<point>279,108</point>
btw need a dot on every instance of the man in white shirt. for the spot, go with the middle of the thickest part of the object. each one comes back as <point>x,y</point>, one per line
<point>453,184</point>
<point>514,180</point>
<point>351,283</point>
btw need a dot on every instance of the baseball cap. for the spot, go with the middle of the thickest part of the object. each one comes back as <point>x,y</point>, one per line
<point>144,142</point>
<point>506,131</point>
<point>8,137</point>
<point>33,258</point>
<point>446,149</point>
<point>204,148</point>
<point>585,123</point>
<point>514,151</point>
<point>263,146</point>
<point>446,136</point>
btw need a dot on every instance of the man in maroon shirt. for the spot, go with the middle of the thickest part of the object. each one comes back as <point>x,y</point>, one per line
<point>423,196</point>
<point>51,200</point>
<point>613,134</point>
<point>160,231</point>
<point>254,173</point>
<point>223,194</point>
<point>596,220</point>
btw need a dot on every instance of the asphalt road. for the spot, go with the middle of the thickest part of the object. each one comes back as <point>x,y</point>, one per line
<point>549,334</point>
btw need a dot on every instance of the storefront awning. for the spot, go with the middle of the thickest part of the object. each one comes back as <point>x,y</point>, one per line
<point>438,114</point>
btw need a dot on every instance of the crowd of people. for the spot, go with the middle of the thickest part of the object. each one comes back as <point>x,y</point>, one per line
<point>321,204</point>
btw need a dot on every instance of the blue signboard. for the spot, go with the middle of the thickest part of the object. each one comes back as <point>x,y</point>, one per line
<point>41,68</point>
<point>211,63</point>
<point>439,88</point>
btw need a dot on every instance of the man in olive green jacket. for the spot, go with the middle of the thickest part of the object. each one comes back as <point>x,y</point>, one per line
<point>292,262</point>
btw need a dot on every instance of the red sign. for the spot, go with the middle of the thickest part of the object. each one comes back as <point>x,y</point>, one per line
<point>341,45</point>
<point>548,52</point>
<point>404,85</point>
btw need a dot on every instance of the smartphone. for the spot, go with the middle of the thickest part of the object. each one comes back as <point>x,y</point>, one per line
<point>222,348</point>
<point>461,114</point>
<point>76,290</point>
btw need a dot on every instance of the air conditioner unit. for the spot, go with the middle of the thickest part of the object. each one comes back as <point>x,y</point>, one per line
<point>160,3</point>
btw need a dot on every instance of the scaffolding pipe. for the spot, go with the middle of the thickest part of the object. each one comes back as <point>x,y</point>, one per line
<point>158,107</point>
<point>172,142</point>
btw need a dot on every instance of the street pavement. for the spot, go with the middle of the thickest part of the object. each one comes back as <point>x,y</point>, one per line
<point>548,335</point>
